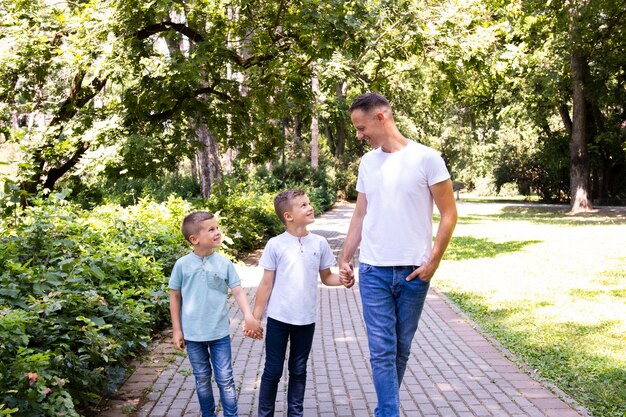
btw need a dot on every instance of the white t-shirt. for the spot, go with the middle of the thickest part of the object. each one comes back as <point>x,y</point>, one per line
<point>397,227</point>
<point>296,263</point>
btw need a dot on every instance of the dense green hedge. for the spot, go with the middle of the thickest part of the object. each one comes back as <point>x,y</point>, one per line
<point>82,291</point>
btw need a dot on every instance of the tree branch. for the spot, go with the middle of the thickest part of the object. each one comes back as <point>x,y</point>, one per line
<point>54,174</point>
<point>565,117</point>
<point>167,25</point>
<point>77,98</point>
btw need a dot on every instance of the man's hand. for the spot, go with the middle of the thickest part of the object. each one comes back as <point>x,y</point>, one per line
<point>425,272</point>
<point>346,274</point>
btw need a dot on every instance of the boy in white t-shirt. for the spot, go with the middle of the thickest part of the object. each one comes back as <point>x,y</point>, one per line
<point>199,287</point>
<point>291,263</point>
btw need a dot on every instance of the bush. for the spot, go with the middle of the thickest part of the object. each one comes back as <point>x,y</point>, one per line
<point>346,180</point>
<point>82,291</point>
<point>80,294</point>
<point>244,202</point>
<point>129,191</point>
<point>246,219</point>
<point>485,186</point>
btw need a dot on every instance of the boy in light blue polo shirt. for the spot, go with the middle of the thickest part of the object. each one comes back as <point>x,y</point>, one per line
<point>199,287</point>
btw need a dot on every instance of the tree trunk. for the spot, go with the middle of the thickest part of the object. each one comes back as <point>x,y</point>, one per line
<point>193,165</point>
<point>342,130</point>
<point>315,131</point>
<point>209,168</point>
<point>579,158</point>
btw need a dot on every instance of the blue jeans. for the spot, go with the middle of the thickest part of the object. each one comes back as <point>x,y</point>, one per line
<point>391,308</point>
<point>206,358</point>
<point>300,340</point>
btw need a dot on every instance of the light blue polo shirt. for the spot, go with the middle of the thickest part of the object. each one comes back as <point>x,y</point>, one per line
<point>204,284</point>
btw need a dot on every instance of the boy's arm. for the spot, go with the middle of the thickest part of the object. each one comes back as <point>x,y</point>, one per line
<point>177,330</point>
<point>263,293</point>
<point>251,323</point>
<point>329,278</point>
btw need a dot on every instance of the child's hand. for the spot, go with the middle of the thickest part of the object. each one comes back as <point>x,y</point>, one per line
<point>346,281</point>
<point>257,336</point>
<point>252,328</point>
<point>346,274</point>
<point>179,340</point>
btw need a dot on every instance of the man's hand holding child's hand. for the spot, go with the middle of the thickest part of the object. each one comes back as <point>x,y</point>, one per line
<point>346,274</point>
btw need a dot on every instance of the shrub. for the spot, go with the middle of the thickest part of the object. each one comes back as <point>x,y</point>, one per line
<point>80,294</point>
<point>82,291</point>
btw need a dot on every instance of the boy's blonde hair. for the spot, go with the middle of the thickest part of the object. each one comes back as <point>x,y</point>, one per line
<point>283,202</point>
<point>191,222</point>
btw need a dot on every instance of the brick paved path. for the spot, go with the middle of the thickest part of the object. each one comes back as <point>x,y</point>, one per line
<point>454,371</point>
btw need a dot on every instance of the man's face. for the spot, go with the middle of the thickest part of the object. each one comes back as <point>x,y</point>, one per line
<point>369,126</point>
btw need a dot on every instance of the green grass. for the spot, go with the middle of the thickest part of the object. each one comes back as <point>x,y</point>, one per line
<point>552,292</point>
<point>468,247</point>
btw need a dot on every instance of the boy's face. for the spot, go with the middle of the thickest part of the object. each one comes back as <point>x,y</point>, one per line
<point>208,235</point>
<point>301,212</point>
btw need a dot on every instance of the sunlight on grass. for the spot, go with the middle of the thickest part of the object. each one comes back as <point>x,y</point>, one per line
<point>554,294</point>
<point>468,247</point>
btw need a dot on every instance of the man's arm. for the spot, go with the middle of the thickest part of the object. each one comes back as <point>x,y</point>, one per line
<point>353,239</point>
<point>177,330</point>
<point>443,196</point>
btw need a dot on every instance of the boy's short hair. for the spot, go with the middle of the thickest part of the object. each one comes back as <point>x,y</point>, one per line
<point>282,202</point>
<point>191,221</point>
<point>369,101</point>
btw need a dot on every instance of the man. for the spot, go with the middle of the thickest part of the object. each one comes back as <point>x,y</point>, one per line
<point>397,184</point>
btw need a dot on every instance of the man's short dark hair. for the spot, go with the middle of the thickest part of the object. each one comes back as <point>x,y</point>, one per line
<point>192,220</point>
<point>283,201</point>
<point>369,101</point>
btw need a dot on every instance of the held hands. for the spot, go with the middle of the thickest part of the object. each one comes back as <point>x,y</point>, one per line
<point>346,274</point>
<point>252,328</point>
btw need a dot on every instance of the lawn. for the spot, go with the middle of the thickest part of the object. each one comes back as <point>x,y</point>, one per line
<point>549,287</point>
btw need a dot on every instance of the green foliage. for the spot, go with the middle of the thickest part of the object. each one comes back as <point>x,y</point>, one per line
<point>345,178</point>
<point>319,186</point>
<point>543,170</point>
<point>80,293</point>
<point>245,201</point>
<point>246,219</point>
<point>126,190</point>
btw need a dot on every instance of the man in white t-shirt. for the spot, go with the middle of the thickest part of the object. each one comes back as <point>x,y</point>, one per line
<point>397,184</point>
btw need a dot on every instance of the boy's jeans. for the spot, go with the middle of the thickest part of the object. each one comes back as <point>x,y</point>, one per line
<point>391,309</point>
<point>300,340</point>
<point>206,358</point>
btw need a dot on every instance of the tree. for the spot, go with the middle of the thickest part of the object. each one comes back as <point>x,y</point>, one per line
<point>154,96</point>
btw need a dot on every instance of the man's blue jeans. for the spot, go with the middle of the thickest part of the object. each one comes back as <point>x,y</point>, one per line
<point>300,340</point>
<point>213,357</point>
<point>391,308</point>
